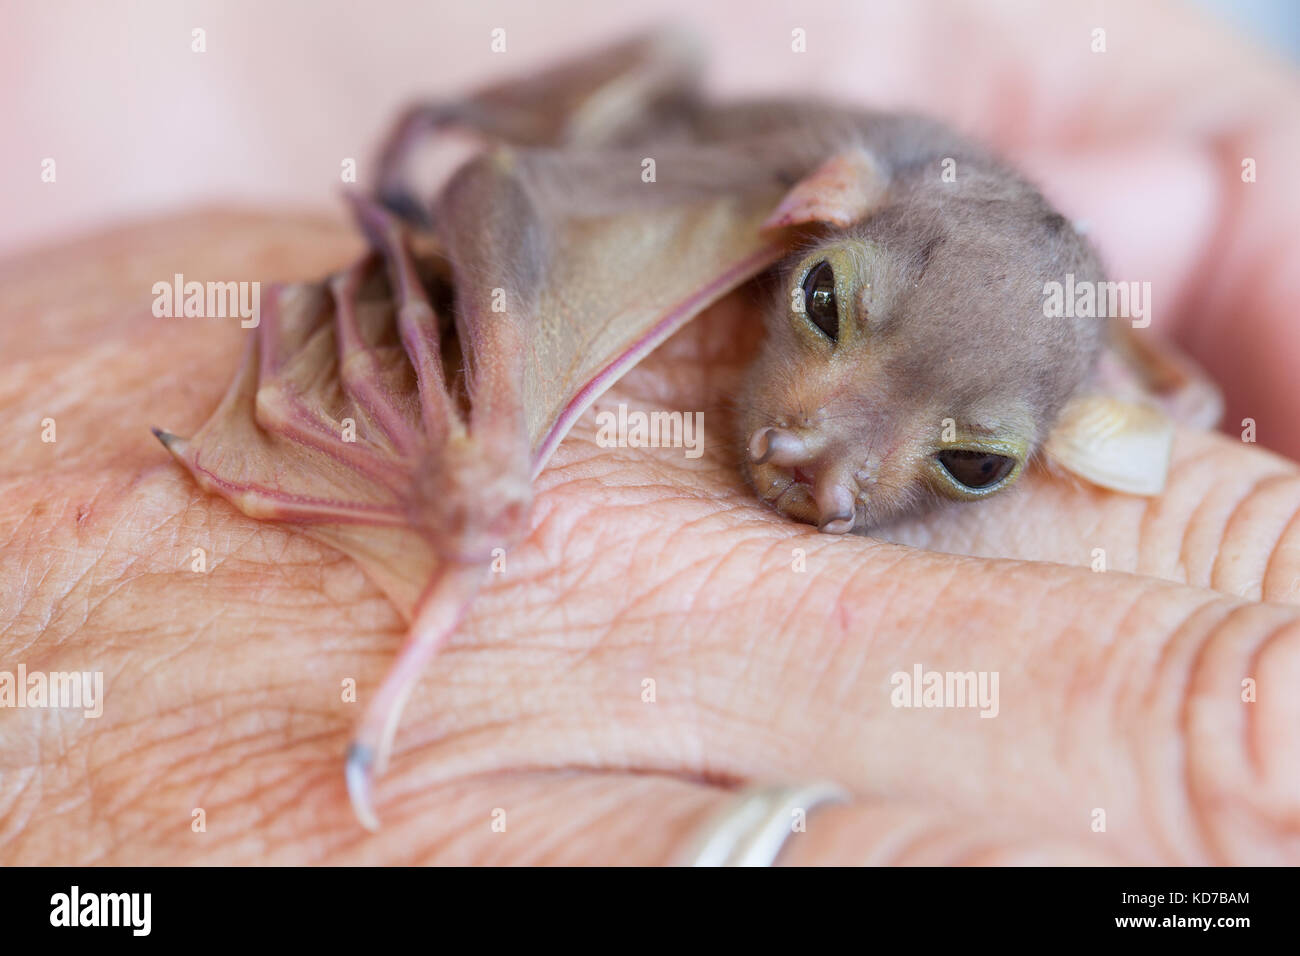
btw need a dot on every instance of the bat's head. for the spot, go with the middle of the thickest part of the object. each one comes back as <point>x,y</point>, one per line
<point>908,361</point>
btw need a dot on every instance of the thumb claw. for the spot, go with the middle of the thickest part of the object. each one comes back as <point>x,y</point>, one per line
<point>357,768</point>
<point>437,616</point>
<point>173,443</point>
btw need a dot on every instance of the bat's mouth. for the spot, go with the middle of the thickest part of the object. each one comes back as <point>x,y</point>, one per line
<point>802,481</point>
<point>794,497</point>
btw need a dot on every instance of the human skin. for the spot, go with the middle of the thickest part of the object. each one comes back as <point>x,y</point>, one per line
<point>1119,690</point>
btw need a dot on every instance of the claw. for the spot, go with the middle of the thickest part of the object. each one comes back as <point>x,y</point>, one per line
<point>357,770</point>
<point>173,443</point>
<point>416,323</point>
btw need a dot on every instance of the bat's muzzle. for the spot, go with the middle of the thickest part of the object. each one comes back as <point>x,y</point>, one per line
<point>827,489</point>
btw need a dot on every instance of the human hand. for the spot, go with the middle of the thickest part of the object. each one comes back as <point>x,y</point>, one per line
<point>1120,691</point>
<point>224,689</point>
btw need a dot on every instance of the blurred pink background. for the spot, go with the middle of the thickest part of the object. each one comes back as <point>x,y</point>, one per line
<point>138,123</point>
<point>1143,143</point>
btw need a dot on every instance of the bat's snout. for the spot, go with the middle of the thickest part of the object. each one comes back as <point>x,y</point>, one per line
<point>780,447</point>
<point>812,464</point>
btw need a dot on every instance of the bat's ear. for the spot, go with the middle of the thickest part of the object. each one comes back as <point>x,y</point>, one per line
<point>843,190</point>
<point>1120,436</point>
<point>1116,444</point>
<point>1138,363</point>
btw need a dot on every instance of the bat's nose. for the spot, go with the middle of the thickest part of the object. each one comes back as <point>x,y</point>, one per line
<point>780,446</point>
<point>835,498</point>
<point>831,482</point>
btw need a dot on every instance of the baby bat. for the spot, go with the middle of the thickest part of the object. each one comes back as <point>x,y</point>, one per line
<point>400,409</point>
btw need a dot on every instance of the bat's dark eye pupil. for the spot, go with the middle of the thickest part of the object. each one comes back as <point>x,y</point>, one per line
<point>976,469</point>
<point>819,300</point>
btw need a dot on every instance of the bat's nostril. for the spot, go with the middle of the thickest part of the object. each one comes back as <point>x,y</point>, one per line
<point>841,524</point>
<point>779,447</point>
<point>836,500</point>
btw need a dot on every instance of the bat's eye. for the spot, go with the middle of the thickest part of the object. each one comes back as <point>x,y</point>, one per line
<point>976,470</point>
<point>819,299</point>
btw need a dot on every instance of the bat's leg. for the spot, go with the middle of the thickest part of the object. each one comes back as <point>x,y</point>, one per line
<point>437,617</point>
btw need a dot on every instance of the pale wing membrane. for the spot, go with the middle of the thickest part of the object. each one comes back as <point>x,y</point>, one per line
<point>276,448</point>
<point>594,266</point>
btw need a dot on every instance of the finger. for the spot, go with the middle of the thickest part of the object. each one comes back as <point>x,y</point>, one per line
<point>621,819</point>
<point>1118,693</point>
<point>904,834</point>
<point>757,669</point>
<point>746,686</point>
<point>548,818</point>
<point>1229,519</point>
<point>1241,323</point>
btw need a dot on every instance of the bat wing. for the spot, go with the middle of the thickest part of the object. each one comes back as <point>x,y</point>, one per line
<point>319,428</point>
<point>400,410</point>
<point>647,84</point>
<point>613,264</point>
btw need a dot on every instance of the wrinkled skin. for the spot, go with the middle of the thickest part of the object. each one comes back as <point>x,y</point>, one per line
<point>1118,690</point>
<point>224,688</point>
